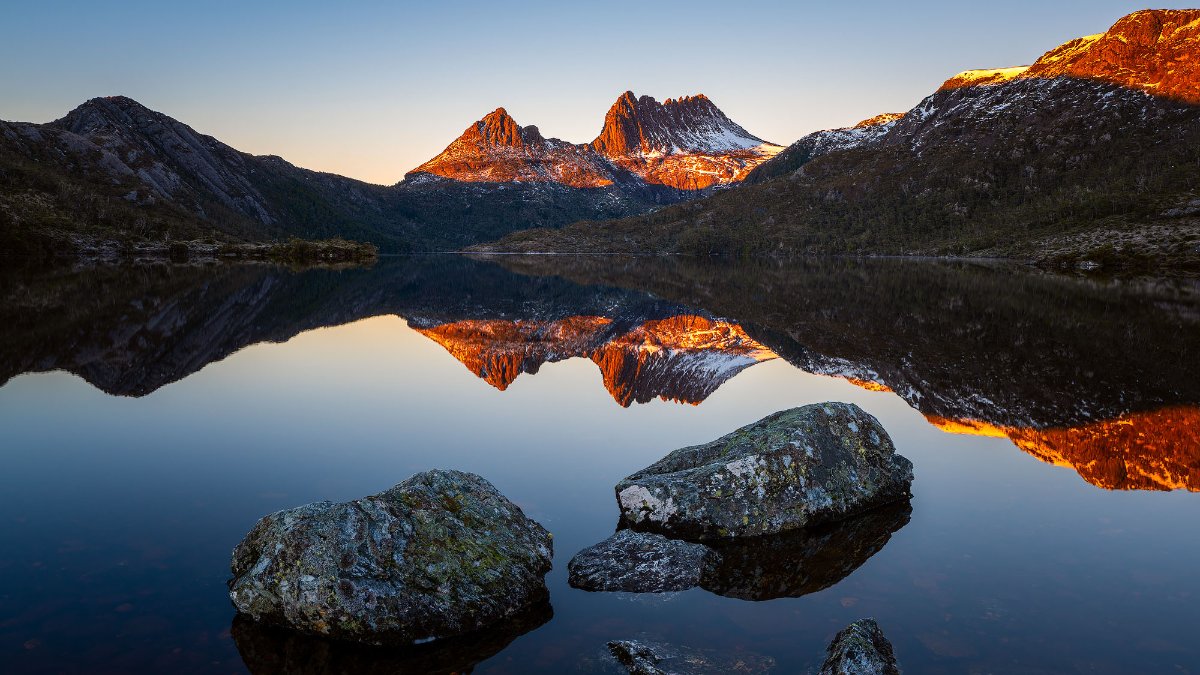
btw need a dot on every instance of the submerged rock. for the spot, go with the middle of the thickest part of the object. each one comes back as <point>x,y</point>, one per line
<point>639,562</point>
<point>860,649</point>
<point>793,469</point>
<point>643,657</point>
<point>441,554</point>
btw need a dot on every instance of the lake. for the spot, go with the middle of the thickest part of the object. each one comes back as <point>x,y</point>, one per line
<point>149,415</point>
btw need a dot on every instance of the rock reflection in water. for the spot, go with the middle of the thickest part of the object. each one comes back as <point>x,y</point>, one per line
<point>268,650</point>
<point>803,562</point>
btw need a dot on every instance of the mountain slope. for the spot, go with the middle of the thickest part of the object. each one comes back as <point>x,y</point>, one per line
<point>1091,155</point>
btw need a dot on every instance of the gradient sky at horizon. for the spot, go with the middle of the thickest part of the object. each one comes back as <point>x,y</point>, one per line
<point>372,89</point>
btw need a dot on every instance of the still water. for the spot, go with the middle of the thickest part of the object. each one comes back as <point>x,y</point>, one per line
<point>150,415</point>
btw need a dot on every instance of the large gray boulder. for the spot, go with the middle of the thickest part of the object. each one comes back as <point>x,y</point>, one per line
<point>793,469</point>
<point>441,554</point>
<point>860,649</point>
<point>639,562</point>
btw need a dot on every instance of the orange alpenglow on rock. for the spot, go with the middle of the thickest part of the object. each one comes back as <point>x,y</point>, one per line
<point>498,351</point>
<point>885,118</point>
<point>869,385</point>
<point>1157,450</point>
<point>1154,50</point>
<point>682,358</point>
<point>685,143</point>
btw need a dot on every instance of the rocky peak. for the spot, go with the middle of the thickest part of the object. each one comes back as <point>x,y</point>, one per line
<point>642,125</point>
<point>499,128</point>
<point>685,143</point>
<point>982,77</point>
<point>99,114</point>
<point>1154,50</point>
<point>885,118</point>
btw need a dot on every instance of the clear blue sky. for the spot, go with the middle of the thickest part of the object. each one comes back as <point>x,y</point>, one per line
<point>371,89</point>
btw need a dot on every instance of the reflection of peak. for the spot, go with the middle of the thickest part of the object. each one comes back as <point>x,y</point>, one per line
<point>1140,451</point>
<point>682,358</point>
<point>498,351</point>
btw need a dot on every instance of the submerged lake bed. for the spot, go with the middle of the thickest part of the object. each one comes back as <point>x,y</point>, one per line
<point>150,415</point>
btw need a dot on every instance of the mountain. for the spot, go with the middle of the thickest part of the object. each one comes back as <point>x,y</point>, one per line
<point>684,144</point>
<point>113,172</point>
<point>498,150</point>
<point>114,169</point>
<point>1086,157</point>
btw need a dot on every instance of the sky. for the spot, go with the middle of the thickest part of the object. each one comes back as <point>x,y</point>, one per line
<point>373,89</point>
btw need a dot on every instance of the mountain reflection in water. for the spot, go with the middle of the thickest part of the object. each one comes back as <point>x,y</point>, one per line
<point>1096,376</point>
<point>679,358</point>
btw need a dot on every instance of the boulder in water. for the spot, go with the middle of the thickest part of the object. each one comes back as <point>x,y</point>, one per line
<point>441,554</point>
<point>796,468</point>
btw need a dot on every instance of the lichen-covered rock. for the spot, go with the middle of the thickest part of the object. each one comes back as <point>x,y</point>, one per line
<point>793,469</point>
<point>639,562</point>
<point>860,649</point>
<point>644,657</point>
<point>441,554</point>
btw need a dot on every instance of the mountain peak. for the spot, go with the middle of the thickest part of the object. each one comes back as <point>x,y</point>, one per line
<point>690,123</point>
<point>685,143</point>
<point>496,149</point>
<point>1154,50</point>
<point>96,112</point>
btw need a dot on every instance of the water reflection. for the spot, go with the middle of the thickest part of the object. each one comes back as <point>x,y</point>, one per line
<point>1156,450</point>
<point>796,564</point>
<point>680,358</point>
<point>1096,376</point>
<point>266,649</point>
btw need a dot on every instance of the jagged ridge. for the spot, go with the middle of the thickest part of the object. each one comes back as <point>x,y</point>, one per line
<point>685,143</point>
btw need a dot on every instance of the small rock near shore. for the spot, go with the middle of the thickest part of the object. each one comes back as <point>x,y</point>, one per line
<point>639,562</point>
<point>860,649</point>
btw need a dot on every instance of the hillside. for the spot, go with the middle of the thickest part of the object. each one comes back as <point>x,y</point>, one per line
<point>1091,156</point>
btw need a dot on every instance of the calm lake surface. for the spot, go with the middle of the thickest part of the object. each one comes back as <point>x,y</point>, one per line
<point>150,415</point>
